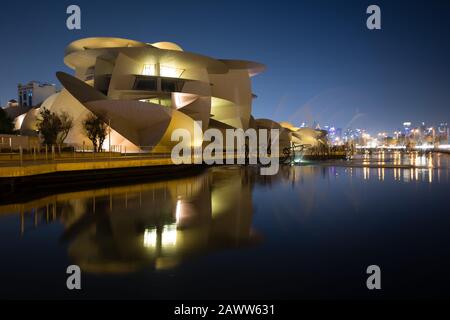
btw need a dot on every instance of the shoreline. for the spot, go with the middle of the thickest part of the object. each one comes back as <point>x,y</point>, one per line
<point>15,187</point>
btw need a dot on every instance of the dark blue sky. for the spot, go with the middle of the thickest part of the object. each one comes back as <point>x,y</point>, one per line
<point>323,64</point>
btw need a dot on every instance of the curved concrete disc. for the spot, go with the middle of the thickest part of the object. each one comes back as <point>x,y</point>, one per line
<point>141,123</point>
<point>79,89</point>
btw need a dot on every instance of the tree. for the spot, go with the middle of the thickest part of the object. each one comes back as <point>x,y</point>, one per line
<point>66,125</point>
<point>96,130</point>
<point>102,133</point>
<point>54,128</point>
<point>49,126</point>
<point>6,123</point>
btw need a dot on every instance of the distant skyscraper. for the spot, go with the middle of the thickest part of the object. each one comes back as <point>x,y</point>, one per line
<point>406,128</point>
<point>443,132</point>
<point>423,128</point>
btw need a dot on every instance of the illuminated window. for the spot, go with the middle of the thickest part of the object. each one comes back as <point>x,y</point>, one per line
<point>147,84</point>
<point>170,72</point>
<point>171,85</point>
<point>149,70</point>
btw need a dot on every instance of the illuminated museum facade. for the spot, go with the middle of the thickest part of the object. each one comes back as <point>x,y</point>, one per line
<point>146,91</point>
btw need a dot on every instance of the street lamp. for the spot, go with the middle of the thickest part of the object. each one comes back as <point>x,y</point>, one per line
<point>109,136</point>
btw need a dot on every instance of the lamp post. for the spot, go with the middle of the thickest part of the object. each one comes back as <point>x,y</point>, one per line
<point>109,136</point>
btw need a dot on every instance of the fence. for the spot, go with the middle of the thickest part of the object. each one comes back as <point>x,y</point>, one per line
<point>13,142</point>
<point>45,154</point>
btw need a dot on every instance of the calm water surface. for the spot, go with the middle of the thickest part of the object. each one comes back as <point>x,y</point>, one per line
<point>229,233</point>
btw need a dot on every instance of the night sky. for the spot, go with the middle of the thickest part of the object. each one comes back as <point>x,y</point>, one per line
<point>323,64</point>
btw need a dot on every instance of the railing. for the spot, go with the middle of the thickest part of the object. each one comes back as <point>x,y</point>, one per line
<point>45,154</point>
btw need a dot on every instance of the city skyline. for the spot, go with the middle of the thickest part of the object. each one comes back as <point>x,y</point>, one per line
<point>322,66</point>
<point>328,126</point>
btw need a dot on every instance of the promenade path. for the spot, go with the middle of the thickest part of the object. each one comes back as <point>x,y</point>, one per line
<point>29,167</point>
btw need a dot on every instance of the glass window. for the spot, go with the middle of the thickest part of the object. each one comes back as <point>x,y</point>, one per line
<point>170,72</point>
<point>149,70</point>
<point>168,85</point>
<point>146,84</point>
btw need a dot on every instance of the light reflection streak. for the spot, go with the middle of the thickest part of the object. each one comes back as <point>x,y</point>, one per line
<point>366,173</point>
<point>167,235</point>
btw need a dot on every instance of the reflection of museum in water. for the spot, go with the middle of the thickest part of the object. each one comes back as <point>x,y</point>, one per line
<point>160,223</point>
<point>125,229</point>
<point>227,233</point>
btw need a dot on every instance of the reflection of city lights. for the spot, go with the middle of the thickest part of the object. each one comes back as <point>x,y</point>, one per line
<point>366,173</point>
<point>381,174</point>
<point>406,176</point>
<point>150,238</point>
<point>430,162</point>
<point>397,174</point>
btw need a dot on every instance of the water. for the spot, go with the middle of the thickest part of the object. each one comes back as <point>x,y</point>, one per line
<point>229,233</point>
